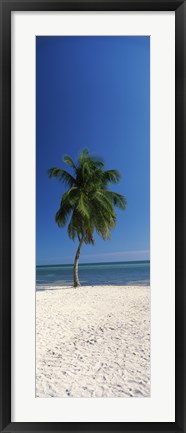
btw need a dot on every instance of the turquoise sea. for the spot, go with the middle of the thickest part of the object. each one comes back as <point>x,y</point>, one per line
<point>116,273</point>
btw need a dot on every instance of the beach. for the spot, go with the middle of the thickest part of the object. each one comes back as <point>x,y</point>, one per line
<point>93,341</point>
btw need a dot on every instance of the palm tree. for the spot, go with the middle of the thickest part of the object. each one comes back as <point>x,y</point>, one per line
<point>88,204</point>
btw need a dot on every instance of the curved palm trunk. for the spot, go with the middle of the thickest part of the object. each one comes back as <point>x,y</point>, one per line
<point>76,261</point>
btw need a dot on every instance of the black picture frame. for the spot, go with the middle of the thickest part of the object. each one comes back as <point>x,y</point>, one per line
<point>6,7</point>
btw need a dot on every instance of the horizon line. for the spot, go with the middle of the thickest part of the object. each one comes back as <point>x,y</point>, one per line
<point>94,263</point>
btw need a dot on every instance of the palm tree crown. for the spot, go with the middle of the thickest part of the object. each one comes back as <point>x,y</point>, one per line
<point>88,201</point>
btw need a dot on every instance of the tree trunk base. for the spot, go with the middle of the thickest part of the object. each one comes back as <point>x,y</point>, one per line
<point>76,277</point>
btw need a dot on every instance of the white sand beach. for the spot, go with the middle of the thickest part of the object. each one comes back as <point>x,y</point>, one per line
<point>93,342</point>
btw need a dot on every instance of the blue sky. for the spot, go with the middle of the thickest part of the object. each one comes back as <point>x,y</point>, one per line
<point>94,92</point>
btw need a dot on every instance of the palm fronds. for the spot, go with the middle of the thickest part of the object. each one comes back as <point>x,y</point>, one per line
<point>88,204</point>
<point>62,175</point>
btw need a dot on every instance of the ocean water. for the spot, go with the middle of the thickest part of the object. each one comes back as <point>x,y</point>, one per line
<point>116,273</point>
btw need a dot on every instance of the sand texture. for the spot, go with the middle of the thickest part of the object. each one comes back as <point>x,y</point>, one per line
<point>93,342</point>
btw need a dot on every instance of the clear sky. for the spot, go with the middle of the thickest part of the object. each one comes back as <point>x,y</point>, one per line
<point>94,92</point>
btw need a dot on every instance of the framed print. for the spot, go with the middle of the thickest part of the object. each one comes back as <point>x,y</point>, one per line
<point>92,215</point>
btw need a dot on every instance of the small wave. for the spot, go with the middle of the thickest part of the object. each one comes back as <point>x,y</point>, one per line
<point>48,287</point>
